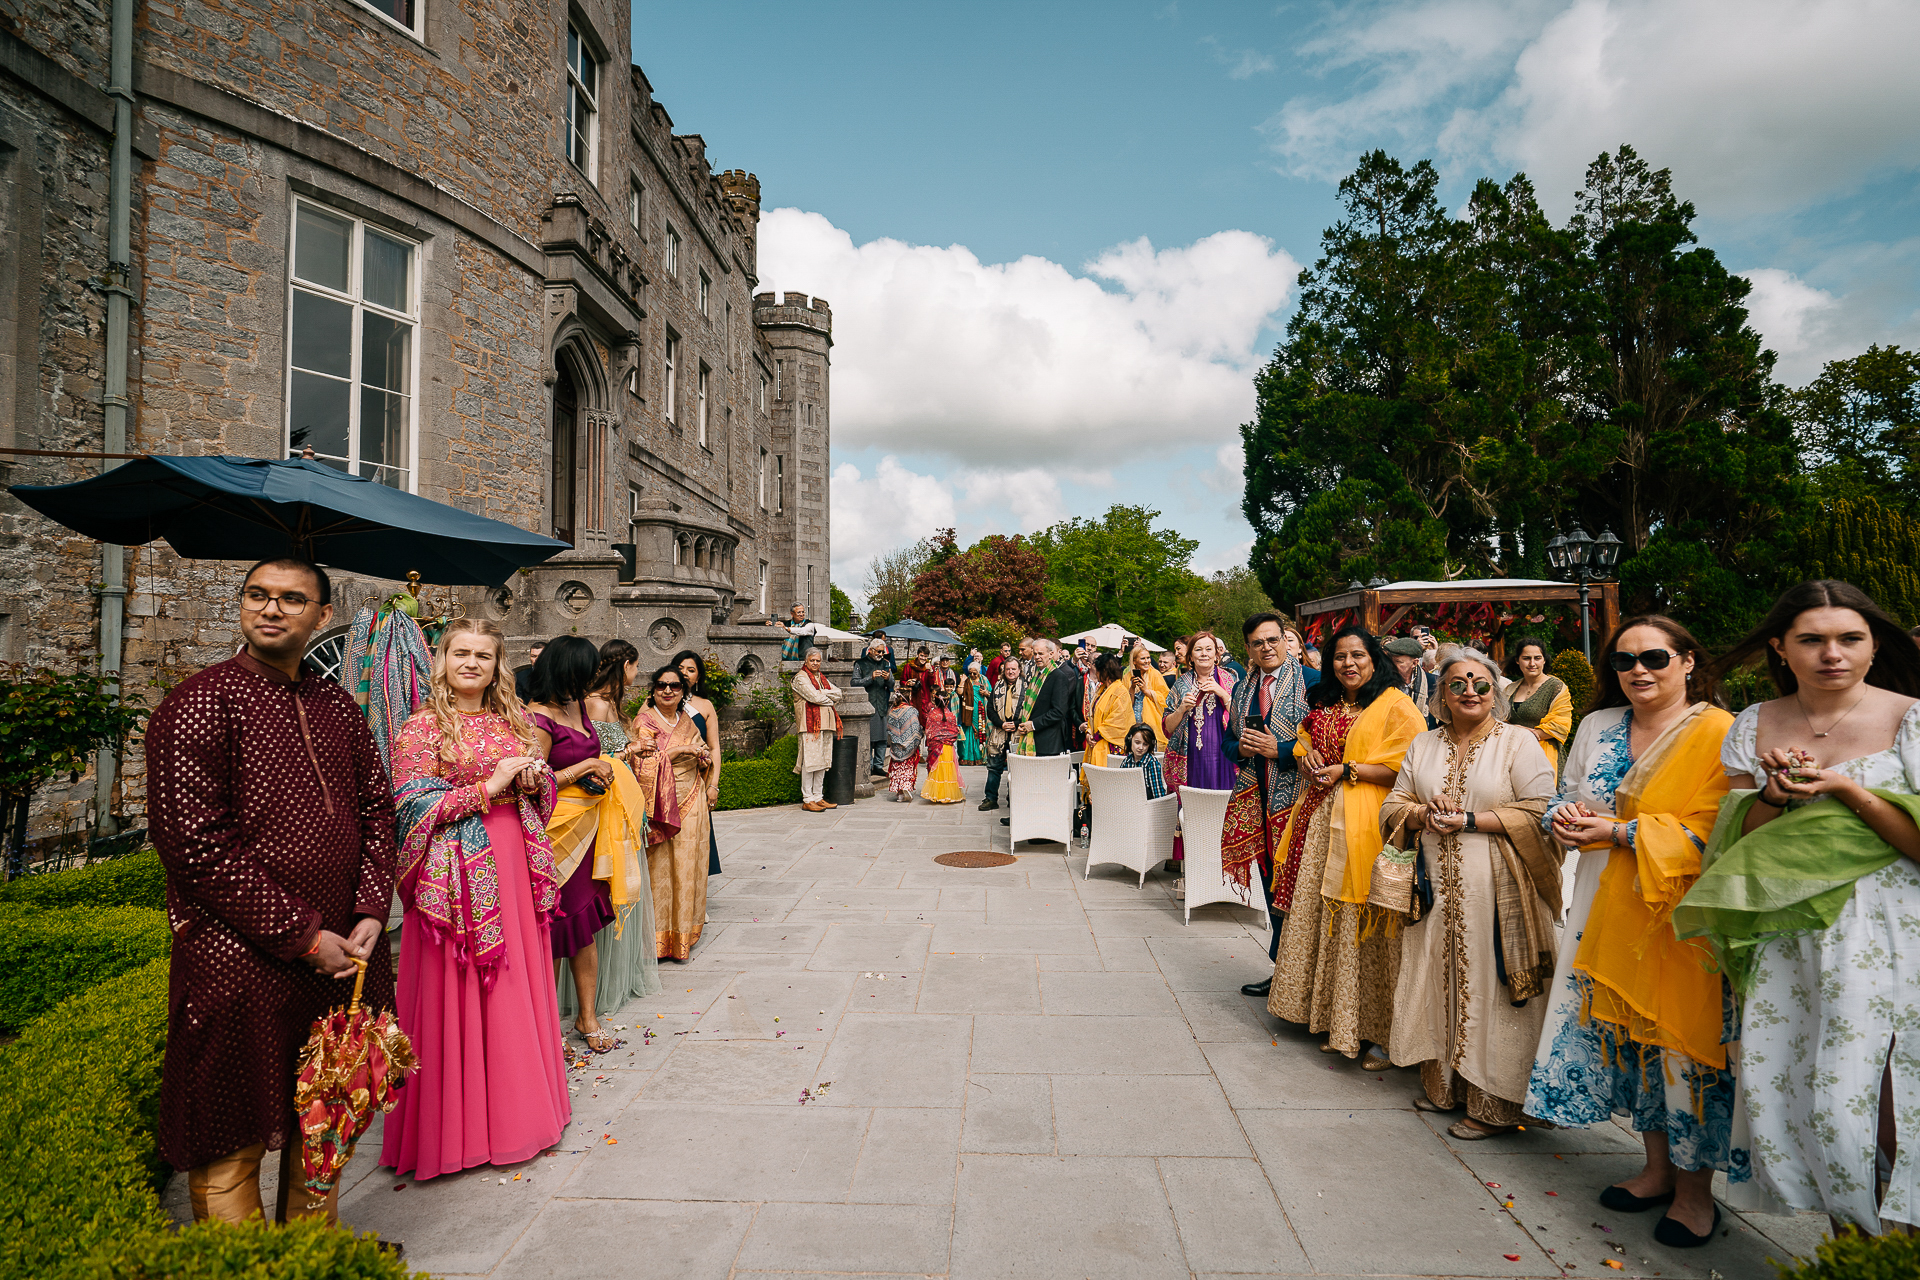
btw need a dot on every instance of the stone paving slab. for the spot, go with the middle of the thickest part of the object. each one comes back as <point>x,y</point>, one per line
<point>1013,1072</point>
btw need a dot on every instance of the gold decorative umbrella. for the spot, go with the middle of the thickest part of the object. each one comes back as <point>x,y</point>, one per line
<point>351,1066</point>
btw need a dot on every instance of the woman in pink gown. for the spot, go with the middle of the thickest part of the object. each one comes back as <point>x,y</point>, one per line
<point>475,990</point>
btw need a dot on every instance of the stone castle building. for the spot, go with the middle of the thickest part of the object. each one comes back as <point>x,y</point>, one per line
<point>454,246</point>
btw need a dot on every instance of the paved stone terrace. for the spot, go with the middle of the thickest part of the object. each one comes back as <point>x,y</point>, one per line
<point>1014,1072</point>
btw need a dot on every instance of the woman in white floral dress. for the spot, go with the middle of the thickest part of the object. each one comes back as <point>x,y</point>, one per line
<point>1830,1050</point>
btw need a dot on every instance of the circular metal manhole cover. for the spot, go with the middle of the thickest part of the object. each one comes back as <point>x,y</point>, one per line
<point>975,858</point>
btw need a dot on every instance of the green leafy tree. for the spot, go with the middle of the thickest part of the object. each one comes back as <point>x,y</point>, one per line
<point>1860,421</point>
<point>841,613</point>
<point>889,582</point>
<point>988,634</point>
<point>1118,569</point>
<point>50,723</point>
<point>1223,600</point>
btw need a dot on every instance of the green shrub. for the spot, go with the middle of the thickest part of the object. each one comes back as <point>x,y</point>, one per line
<point>1853,1256</point>
<point>79,1187</point>
<point>136,880</point>
<point>304,1250</point>
<point>46,956</point>
<point>1577,674</point>
<point>79,1093</point>
<point>766,779</point>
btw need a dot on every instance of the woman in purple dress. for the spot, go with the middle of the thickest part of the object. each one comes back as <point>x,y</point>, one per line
<point>562,677</point>
<point>1196,727</point>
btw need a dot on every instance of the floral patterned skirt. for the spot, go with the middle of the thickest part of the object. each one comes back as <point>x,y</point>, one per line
<point>1586,1071</point>
<point>901,773</point>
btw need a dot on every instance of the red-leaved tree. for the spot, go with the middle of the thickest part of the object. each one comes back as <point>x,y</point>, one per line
<point>997,576</point>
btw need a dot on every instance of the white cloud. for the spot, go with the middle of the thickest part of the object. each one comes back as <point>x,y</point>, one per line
<point>1758,105</point>
<point>896,505</point>
<point>1016,365</point>
<point>1794,318</point>
<point>1241,64</point>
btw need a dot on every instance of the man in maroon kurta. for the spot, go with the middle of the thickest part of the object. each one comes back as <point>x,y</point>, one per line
<point>917,678</point>
<point>273,815</point>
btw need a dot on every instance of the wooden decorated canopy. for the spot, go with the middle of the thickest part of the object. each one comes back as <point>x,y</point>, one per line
<point>1485,601</point>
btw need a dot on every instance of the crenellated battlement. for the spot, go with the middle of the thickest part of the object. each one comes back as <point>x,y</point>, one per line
<point>792,310</point>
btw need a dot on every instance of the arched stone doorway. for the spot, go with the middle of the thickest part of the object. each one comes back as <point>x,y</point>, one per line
<point>566,433</point>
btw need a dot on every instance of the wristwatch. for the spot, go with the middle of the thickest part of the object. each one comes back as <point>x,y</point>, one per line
<point>1471,824</point>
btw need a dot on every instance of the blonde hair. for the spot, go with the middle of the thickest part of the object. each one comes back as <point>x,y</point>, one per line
<point>498,697</point>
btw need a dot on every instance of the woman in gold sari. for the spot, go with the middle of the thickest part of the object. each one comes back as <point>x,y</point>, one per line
<point>1466,1009</point>
<point>674,781</point>
<point>1336,968</point>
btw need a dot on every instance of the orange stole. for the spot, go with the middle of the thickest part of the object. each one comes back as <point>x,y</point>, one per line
<point>1645,981</point>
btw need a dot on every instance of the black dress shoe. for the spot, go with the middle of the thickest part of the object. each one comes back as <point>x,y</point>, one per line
<point>1259,988</point>
<point>1677,1235</point>
<point>1006,822</point>
<point>1621,1200</point>
<point>989,804</point>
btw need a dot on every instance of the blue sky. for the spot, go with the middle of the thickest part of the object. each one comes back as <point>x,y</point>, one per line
<point>1059,238</point>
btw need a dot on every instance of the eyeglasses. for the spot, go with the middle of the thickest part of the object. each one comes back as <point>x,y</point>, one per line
<point>1481,687</point>
<point>1651,659</point>
<point>292,603</point>
<point>675,685</point>
<point>1274,643</point>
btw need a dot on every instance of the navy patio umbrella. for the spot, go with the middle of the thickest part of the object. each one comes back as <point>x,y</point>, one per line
<point>231,508</point>
<point>908,629</point>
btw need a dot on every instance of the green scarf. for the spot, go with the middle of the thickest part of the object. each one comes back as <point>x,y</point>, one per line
<point>1041,671</point>
<point>1791,876</point>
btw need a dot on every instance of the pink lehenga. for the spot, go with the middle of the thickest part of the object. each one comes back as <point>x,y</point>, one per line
<point>475,990</point>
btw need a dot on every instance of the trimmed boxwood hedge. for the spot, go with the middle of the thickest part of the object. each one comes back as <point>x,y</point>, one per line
<point>79,1176</point>
<point>46,956</point>
<point>766,779</point>
<point>136,880</point>
<point>1852,1256</point>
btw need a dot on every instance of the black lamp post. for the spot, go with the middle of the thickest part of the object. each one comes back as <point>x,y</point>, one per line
<point>1579,557</point>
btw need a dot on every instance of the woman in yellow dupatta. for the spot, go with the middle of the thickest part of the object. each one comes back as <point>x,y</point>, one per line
<point>672,774</point>
<point>1637,1023</point>
<point>1541,704</point>
<point>1336,967</point>
<point>1139,696</point>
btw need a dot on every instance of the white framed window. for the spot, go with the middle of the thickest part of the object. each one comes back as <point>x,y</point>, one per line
<point>673,375</point>
<point>701,421</point>
<point>779,379</point>
<point>636,203</point>
<point>706,295</point>
<point>673,252</point>
<point>352,358</point>
<point>762,478</point>
<point>779,484</point>
<point>763,397</point>
<point>763,586</point>
<point>408,15</point>
<point>633,503</point>
<point>809,596</point>
<point>583,111</point>
<point>633,380</point>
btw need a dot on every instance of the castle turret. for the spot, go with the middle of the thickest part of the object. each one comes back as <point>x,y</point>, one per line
<point>799,331</point>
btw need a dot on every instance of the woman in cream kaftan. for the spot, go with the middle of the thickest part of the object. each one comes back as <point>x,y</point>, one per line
<point>1465,1008</point>
<point>1336,968</point>
<point>673,782</point>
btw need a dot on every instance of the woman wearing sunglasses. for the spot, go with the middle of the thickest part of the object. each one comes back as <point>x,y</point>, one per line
<point>1821,830</point>
<point>1637,1019</point>
<point>674,780</point>
<point>1334,969</point>
<point>1466,1008</point>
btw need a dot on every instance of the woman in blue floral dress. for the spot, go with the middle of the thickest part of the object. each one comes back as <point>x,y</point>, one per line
<point>1636,1024</point>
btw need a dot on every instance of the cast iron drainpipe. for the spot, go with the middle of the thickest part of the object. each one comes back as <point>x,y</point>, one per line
<point>113,559</point>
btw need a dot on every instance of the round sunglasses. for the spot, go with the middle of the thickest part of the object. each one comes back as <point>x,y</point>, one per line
<point>1481,687</point>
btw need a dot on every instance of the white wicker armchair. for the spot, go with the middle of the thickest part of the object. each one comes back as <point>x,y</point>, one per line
<point>1041,789</point>
<point>1128,828</point>
<point>1203,818</point>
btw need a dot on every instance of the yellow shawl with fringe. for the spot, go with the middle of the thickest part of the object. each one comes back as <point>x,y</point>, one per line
<point>1380,736</point>
<point>1658,989</point>
<point>614,826</point>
